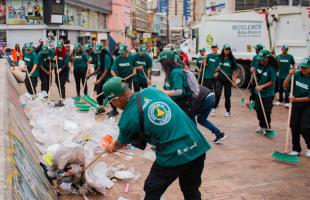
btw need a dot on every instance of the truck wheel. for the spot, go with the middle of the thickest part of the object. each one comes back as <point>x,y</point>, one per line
<point>243,75</point>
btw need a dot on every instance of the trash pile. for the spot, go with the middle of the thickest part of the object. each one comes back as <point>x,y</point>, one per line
<point>69,141</point>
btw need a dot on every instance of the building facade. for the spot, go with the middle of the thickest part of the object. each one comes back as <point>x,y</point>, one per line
<point>23,21</point>
<point>163,6</point>
<point>139,15</point>
<point>198,10</point>
<point>177,20</point>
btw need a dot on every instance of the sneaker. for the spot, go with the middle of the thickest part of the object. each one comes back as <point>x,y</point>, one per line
<point>212,113</point>
<point>294,153</point>
<point>100,111</point>
<point>277,103</point>
<point>227,114</point>
<point>220,138</point>
<point>308,153</point>
<point>260,130</point>
<point>287,105</point>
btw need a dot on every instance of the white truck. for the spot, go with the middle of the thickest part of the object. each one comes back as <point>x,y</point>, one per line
<point>271,27</point>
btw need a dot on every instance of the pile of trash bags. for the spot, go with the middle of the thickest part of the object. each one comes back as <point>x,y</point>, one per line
<point>69,141</point>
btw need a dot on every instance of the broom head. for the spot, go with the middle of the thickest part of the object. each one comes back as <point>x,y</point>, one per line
<point>283,157</point>
<point>271,133</point>
<point>242,100</point>
<point>251,106</point>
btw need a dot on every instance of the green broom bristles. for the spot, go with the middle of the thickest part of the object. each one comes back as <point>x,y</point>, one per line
<point>271,133</point>
<point>91,101</point>
<point>285,157</point>
<point>242,100</point>
<point>251,106</point>
<point>78,98</point>
<point>85,108</point>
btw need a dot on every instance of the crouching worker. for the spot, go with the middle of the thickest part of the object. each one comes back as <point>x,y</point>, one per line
<point>180,147</point>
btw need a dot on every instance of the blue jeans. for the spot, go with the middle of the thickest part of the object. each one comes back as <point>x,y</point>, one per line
<point>206,108</point>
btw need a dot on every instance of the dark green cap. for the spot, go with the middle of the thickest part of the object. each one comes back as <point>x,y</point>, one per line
<point>28,46</point>
<point>166,54</point>
<point>214,46</point>
<point>60,44</point>
<point>113,88</point>
<point>259,47</point>
<point>263,54</point>
<point>226,46</point>
<point>88,47</point>
<point>98,48</point>
<point>285,47</point>
<point>77,46</point>
<point>143,49</point>
<point>305,63</point>
<point>122,48</point>
<point>44,49</point>
<point>202,49</point>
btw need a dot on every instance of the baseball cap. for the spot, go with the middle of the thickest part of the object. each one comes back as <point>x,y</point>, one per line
<point>285,47</point>
<point>214,46</point>
<point>122,48</point>
<point>60,43</point>
<point>202,49</point>
<point>305,63</point>
<point>143,49</point>
<point>226,46</point>
<point>166,54</point>
<point>263,54</point>
<point>113,88</point>
<point>77,46</point>
<point>259,47</point>
<point>28,46</point>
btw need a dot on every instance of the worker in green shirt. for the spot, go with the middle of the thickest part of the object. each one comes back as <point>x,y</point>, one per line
<point>266,73</point>
<point>154,118</point>
<point>80,63</point>
<point>88,48</point>
<point>286,62</point>
<point>45,59</point>
<point>227,64</point>
<point>31,60</point>
<point>61,57</point>
<point>201,62</point>
<point>123,65</point>
<point>300,100</point>
<point>175,84</point>
<point>143,64</point>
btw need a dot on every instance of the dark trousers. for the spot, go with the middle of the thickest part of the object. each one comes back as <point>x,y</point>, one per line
<point>267,103</point>
<point>281,91</point>
<point>63,79</point>
<point>209,83</point>
<point>45,80</point>
<point>34,81</point>
<point>189,174</point>
<point>99,91</point>
<point>139,85</point>
<point>79,76</point>
<point>300,124</point>
<point>220,84</point>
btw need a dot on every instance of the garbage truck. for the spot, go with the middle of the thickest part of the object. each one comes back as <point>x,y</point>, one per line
<point>271,27</point>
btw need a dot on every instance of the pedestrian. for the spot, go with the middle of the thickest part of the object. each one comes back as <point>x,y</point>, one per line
<point>17,54</point>
<point>80,64</point>
<point>300,100</point>
<point>31,60</point>
<point>62,59</point>
<point>175,84</point>
<point>286,62</point>
<point>45,59</point>
<point>266,72</point>
<point>123,65</point>
<point>228,65</point>
<point>180,147</point>
<point>103,63</point>
<point>143,64</point>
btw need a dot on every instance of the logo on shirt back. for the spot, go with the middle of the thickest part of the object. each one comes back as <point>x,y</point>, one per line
<point>27,59</point>
<point>124,64</point>
<point>302,85</point>
<point>159,113</point>
<point>140,63</point>
<point>226,64</point>
<point>284,61</point>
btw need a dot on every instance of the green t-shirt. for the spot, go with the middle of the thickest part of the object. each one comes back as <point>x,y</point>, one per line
<point>44,60</point>
<point>182,142</point>
<point>79,60</point>
<point>285,61</point>
<point>254,61</point>
<point>123,66</point>
<point>147,64</point>
<point>107,65</point>
<point>30,60</point>
<point>199,61</point>
<point>228,66</point>
<point>301,85</point>
<point>177,81</point>
<point>213,61</point>
<point>264,76</point>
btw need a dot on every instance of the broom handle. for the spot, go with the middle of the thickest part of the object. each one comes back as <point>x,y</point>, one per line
<point>93,161</point>
<point>92,92</point>
<point>98,95</point>
<point>203,74</point>
<point>199,75</point>
<point>145,75</point>
<point>30,81</point>
<point>232,82</point>
<point>249,82</point>
<point>261,103</point>
<point>58,80</point>
<point>85,81</point>
<point>49,82</point>
<point>128,77</point>
<point>289,117</point>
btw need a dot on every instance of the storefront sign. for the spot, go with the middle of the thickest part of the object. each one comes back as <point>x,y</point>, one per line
<point>24,12</point>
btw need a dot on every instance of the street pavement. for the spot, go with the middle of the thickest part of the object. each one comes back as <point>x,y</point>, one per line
<point>239,168</point>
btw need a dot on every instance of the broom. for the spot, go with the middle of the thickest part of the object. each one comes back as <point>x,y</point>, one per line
<point>252,104</point>
<point>59,104</point>
<point>50,82</point>
<point>284,156</point>
<point>268,133</point>
<point>238,89</point>
<point>33,92</point>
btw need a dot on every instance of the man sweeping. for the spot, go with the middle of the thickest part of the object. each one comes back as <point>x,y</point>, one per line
<point>151,116</point>
<point>31,60</point>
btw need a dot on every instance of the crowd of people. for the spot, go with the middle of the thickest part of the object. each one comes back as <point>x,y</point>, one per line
<point>166,117</point>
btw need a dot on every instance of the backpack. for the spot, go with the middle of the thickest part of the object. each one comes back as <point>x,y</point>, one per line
<point>192,83</point>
